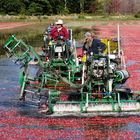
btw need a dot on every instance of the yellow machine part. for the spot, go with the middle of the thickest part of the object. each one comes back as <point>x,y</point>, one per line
<point>113,45</point>
<point>84,58</point>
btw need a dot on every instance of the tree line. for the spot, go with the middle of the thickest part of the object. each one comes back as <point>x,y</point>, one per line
<point>53,7</point>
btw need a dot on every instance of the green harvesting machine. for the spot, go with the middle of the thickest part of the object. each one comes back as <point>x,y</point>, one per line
<point>62,82</point>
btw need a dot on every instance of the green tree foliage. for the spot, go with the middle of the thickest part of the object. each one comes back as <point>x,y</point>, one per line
<point>35,8</point>
<point>52,7</point>
<point>74,6</point>
<point>38,7</point>
<point>57,6</point>
<point>11,6</point>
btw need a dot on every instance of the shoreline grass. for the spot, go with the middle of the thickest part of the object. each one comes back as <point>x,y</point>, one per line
<point>32,34</point>
<point>44,18</point>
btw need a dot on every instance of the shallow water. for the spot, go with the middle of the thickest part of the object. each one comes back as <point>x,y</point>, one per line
<point>22,121</point>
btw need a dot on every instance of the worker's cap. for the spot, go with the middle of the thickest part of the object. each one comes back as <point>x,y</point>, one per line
<point>87,34</point>
<point>59,22</point>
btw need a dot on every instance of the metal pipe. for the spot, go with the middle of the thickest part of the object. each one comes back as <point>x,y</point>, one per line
<point>120,50</point>
<point>123,61</point>
<point>22,90</point>
<point>119,102</point>
<point>75,53</point>
<point>119,46</point>
<point>83,73</point>
<point>86,106</point>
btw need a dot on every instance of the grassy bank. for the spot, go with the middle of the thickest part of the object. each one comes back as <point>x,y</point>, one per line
<point>31,34</point>
<point>44,18</point>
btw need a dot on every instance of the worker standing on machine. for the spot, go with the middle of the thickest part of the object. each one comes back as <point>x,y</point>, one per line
<point>92,45</point>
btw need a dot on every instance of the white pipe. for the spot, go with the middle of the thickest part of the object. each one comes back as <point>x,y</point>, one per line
<point>119,46</point>
<point>110,82</point>
<point>75,54</point>
<point>83,74</point>
<point>123,61</point>
<point>119,103</point>
<point>59,55</point>
<point>69,75</point>
<point>86,101</point>
<point>121,51</point>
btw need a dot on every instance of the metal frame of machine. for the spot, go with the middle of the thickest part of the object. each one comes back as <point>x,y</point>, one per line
<point>65,84</point>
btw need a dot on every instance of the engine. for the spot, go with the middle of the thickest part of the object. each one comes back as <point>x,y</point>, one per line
<point>104,73</point>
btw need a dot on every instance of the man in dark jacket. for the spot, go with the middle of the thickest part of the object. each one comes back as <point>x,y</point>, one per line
<point>92,45</point>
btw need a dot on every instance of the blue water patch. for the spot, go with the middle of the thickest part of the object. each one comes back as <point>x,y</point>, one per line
<point>130,62</point>
<point>133,127</point>
<point>137,71</point>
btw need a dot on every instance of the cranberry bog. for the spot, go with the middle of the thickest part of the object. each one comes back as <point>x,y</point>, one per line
<point>20,121</point>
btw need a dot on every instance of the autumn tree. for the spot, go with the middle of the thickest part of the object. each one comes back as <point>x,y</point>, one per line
<point>115,6</point>
<point>112,6</point>
<point>131,6</point>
